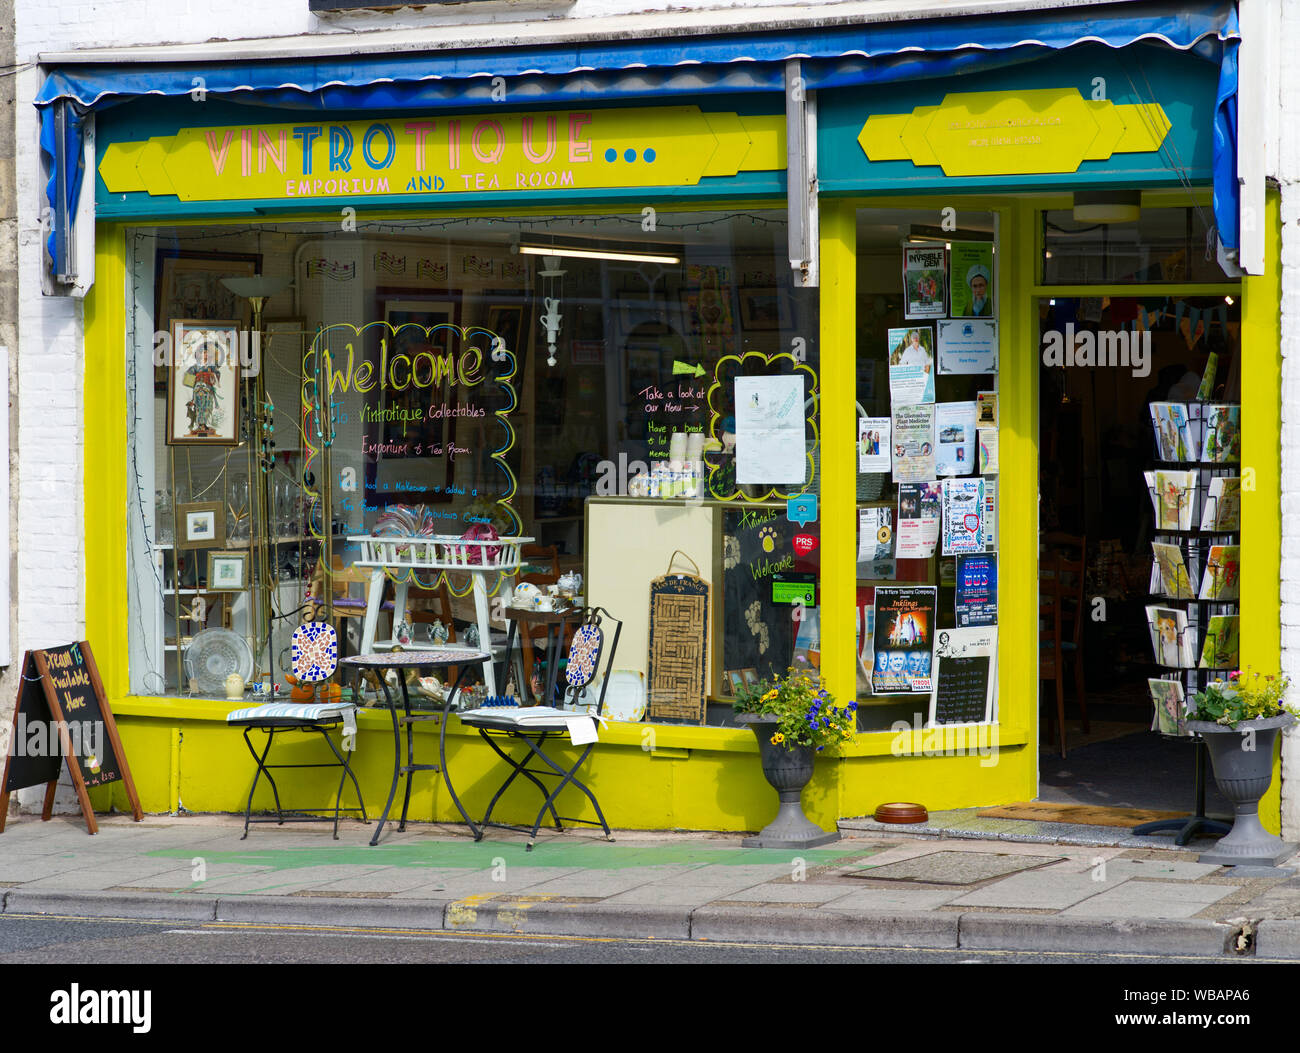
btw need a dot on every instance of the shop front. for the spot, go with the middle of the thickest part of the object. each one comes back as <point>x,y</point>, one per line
<point>569,315</point>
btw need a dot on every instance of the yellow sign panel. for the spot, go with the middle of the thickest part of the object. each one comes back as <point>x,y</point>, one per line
<point>567,149</point>
<point>1027,133</point>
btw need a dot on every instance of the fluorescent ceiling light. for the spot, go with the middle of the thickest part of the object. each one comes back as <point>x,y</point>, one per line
<point>597,254</point>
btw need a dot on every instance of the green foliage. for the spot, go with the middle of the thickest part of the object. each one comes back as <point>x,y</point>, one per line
<point>1243,696</point>
<point>806,713</point>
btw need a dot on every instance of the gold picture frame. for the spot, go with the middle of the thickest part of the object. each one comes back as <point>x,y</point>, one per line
<point>200,524</point>
<point>220,568</point>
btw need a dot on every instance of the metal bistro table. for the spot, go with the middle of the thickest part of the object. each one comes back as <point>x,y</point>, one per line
<point>401,661</point>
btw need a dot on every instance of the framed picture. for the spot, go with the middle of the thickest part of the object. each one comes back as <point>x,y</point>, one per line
<point>750,676</point>
<point>227,571</point>
<point>188,285</point>
<point>200,525</point>
<point>203,383</point>
<point>587,352</point>
<point>507,322</point>
<point>764,309</point>
<point>732,682</point>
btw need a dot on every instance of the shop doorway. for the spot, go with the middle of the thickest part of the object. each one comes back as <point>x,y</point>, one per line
<point>1098,519</point>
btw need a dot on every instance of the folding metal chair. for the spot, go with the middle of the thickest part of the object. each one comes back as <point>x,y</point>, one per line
<point>533,725</point>
<point>314,647</point>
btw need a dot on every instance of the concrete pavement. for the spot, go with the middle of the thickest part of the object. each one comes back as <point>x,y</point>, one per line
<point>949,884</point>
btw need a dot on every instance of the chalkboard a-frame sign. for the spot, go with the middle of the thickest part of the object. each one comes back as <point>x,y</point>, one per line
<point>62,715</point>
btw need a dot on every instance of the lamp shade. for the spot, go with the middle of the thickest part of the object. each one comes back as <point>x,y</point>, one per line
<point>257,285</point>
<point>1107,206</point>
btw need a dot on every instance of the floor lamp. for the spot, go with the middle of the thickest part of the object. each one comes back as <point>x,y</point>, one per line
<point>257,290</point>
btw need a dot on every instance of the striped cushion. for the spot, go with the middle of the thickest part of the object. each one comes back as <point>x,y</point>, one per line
<point>286,712</point>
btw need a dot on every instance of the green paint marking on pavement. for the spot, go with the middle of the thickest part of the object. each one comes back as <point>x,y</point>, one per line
<point>481,856</point>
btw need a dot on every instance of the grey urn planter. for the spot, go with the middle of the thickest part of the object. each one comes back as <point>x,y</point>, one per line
<point>788,769</point>
<point>1243,775</point>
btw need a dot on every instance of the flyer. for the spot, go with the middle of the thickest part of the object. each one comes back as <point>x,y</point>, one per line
<point>977,589</point>
<point>972,279</point>
<point>988,447</point>
<point>968,345</point>
<point>770,430</point>
<point>913,443</point>
<point>875,534</point>
<point>954,426</point>
<point>925,278</point>
<point>986,409</point>
<point>963,516</point>
<point>990,515</point>
<point>904,627</point>
<point>873,444</point>
<point>965,670</point>
<point>918,520</point>
<point>911,365</point>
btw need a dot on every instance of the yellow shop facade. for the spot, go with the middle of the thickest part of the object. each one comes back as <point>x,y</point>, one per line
<point>499,284</point>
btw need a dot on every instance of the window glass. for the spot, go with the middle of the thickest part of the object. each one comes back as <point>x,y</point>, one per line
<point>1173,245</point>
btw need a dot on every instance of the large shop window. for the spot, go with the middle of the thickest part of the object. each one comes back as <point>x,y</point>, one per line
<point>927,390</point>
<point>630,399</point>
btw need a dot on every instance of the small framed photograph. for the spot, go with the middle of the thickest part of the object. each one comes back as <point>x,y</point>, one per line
<point>203,384</point>
<point>227,571</point>
<point>732,682</point>
<point>189,285</point>
<point>200,525</point>
<point>750,677</point>
<point>764,309</point>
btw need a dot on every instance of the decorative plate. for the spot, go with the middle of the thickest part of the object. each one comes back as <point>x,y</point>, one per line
<point>625,695</point>
<point>315,649</point>
<point>213,655</point>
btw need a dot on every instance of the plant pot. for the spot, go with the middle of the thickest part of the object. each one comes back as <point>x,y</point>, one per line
<point>788,769</point>
<point>1243,767</point>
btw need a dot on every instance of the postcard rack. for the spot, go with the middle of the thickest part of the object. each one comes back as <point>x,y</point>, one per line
<point>1197,522</point>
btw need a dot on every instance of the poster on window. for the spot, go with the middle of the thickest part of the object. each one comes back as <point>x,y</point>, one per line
<point>972,279</point>
<point>924,278</point>
<point>965,668</point>
<point>963,516</point>
<point>976,592</point>
<point>770,430</point>
<point>968,345</point>
<point>918,519</point>
<point>911,365</point>
<point>873,444</point>
<point>954,425</point>
<point>904,638</point>
<point>913,443</point>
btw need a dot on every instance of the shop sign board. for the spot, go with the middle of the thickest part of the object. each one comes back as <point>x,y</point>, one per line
<point>61,716</point>
<point>446,154</point>
<point>1030,132</point>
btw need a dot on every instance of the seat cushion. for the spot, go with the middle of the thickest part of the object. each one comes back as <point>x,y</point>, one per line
<point>286,714</point>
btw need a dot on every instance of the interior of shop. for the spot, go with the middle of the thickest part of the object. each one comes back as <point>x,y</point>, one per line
<point>532,375</point>
<point>1099,458</point>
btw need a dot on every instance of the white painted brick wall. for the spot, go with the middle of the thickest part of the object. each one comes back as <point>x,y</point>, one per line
<point>1289,179</point>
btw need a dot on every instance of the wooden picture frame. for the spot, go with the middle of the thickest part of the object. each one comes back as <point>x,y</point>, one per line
<point>764,309</point>
<point>188,285</point>
<point>220,578</point>
<point>203,383</point>
<point>507,322</point>
<point>200,524</point>
<point>732,682</point>
<point>751,678</point>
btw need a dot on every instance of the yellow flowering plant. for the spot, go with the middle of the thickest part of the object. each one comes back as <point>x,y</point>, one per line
<point>805,712</point>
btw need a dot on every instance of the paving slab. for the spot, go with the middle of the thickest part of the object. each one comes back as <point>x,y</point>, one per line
<point>671,895</point>
<point>661,921</point>
<point>787,892</point>
<point>890,899</point>
<point>956,868</point>
<point>1150,899</point>
<point>1043,889</point>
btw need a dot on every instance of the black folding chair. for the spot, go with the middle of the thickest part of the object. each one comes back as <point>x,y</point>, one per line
<point>534,725</point>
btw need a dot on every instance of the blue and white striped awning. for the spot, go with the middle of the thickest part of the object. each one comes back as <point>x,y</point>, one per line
<point>832,56</point>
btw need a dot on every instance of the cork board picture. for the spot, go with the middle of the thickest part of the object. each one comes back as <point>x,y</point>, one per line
<point>679,649</point>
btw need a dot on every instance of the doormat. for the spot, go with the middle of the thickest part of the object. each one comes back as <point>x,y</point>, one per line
<point>1084,814</point>
<point>955,868</point>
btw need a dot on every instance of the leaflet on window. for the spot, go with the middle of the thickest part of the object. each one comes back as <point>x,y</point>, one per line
<point>913,444</point>
<point>873,444</point>
<point>965,671</point>
<point>988,451</point>
<point>954,427</point>
<point>770,431</point>
<point>968,345</point>
<point>976,593</point>
<point>925,281</point>
<point>918,520</point>
<point>963,516</point>
<point>911,365</point>
<point>875,534</point>
<point>904,638</point>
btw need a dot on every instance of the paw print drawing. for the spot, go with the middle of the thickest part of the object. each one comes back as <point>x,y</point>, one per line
<point>768,536</point>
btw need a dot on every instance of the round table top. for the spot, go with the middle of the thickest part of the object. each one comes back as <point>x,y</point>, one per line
<point>416,659</point>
